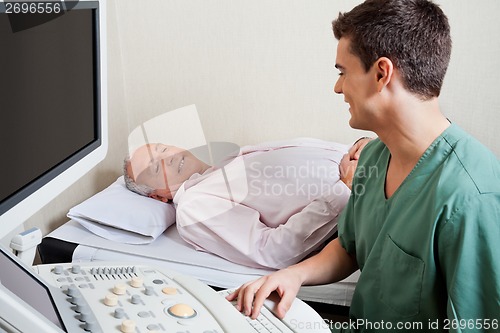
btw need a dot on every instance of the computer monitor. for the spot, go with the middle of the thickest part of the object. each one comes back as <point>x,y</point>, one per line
<point>53,101</point>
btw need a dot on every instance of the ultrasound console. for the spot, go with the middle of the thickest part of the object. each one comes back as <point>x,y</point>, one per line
<point>127,298</point>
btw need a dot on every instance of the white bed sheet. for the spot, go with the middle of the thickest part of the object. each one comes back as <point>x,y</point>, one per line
<point>171,252</point>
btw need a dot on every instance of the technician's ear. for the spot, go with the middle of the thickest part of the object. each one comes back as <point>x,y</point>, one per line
<point>384,70</point>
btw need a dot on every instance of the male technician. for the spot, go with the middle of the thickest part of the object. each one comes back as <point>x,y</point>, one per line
<point>426,231</point>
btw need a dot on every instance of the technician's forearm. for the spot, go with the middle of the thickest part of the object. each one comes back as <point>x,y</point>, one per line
<point>332,264</point>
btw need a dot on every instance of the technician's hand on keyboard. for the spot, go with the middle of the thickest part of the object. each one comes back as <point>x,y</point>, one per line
<point>266,321</point>
<point>251,295</point>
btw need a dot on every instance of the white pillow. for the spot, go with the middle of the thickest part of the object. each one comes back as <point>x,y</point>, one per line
<point>121,215</point>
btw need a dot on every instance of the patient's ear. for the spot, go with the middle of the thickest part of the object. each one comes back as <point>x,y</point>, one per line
<point>161,195</point>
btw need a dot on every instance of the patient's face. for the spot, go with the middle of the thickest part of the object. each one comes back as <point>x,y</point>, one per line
<point>163,168</point>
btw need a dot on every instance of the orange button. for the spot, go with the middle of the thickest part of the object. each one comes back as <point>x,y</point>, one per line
<point>169,291</point>
<point>182,311</point>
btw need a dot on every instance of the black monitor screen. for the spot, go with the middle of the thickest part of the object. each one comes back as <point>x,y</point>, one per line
<point>49,97</point>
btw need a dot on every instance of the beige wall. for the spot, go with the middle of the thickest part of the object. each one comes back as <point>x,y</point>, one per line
<point>263,70</point>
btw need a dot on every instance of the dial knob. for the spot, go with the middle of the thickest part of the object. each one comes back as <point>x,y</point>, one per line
<point>119,313</point>
<point>149,291</point>
<point>90,325</point>
<point>76,299</point>
<point>127,326</point>
<point>85,315</point>
<point>119,289</point>
<point>136,282</point>
<point>135,299</point>
<point>72,290</point>
<point>58,269</point>
<point>111,299</point>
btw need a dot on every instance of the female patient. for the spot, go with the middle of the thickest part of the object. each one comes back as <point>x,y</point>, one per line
<point>267,206</point>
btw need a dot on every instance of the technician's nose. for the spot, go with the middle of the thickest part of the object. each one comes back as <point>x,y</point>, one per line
<point>337,88</point>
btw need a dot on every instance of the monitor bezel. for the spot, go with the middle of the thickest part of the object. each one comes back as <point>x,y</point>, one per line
<point>17,208</point>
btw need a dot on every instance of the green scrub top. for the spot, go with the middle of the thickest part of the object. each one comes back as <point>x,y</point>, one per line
<point>430,254</point>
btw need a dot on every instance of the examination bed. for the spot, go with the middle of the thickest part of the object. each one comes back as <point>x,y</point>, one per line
<point>161,245</point>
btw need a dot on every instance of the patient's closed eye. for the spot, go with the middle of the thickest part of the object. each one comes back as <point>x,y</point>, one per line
<point>155,166</point>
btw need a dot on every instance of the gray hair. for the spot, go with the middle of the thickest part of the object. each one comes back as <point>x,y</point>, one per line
<point>130,182</point>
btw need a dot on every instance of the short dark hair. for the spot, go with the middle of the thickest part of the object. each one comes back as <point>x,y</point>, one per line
<point>413,34</point>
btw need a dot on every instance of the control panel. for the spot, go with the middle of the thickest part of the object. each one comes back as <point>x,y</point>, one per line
<point>134,298</point>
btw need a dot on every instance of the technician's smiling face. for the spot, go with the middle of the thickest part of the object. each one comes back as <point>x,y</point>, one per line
<point>356,84</point>
<point>163,168</point>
